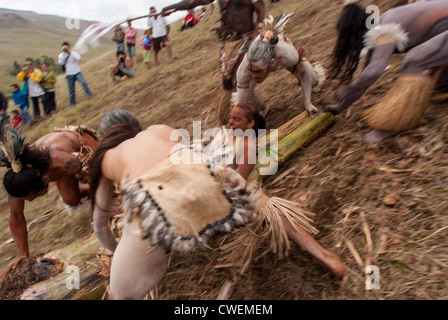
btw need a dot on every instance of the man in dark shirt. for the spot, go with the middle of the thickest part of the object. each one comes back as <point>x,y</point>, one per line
<point>236,32</point>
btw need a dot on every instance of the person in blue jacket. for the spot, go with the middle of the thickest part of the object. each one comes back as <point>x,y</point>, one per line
<point>20,97</point>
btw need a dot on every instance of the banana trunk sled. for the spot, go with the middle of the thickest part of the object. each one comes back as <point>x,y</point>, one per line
<point>80,280</point>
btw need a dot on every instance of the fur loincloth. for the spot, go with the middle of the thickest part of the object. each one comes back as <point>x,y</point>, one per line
<point>390,33</point>
<point>181,206</point>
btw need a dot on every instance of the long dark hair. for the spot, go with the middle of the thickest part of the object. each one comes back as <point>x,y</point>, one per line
<point>29,179</point>
<point>114,136</point>
<point>118,116</point>
<point>346,53</point>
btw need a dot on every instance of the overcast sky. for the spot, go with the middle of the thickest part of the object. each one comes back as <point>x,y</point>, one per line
<point>95,10</point>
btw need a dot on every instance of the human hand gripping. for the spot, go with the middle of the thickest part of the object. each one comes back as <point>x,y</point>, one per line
<point>13,265</point>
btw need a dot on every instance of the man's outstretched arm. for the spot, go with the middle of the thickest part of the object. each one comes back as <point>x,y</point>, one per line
<point>17,225</point>
<point>101,214</point>
<point>187,5</point>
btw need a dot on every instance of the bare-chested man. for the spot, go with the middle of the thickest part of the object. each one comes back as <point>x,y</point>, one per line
<point>419,29</point>
<point>159,202</point>
<point>61,157</point>
<point>236,33</point>
<point>271,52</point>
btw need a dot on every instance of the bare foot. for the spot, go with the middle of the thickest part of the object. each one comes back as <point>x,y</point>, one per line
<point>104,257</point>
<point>377,135</point>
<point>334,109</point>
<point>105,272</point>
<point>332,263</point>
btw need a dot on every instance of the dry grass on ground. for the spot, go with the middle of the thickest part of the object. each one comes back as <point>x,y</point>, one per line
<point>383,205</point>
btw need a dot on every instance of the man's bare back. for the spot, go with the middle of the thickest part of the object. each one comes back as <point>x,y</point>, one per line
<point>61,146</point>
<point>416,19</point>
<point>127,161</point>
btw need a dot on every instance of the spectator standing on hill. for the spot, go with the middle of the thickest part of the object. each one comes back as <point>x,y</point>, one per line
<point>236,32</point>
<point>69,59</point>
<point>147,44</point>
<point>20,97</point>
<point>49,84</point>
<point>131,39</point>
<point>119,38</point>
<point>3,106</point>
<point>159,31</point>
<point>33,78</point>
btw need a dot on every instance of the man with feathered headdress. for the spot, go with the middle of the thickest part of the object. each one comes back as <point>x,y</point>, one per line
<point>271,51</point>
<point>236,32</point>
<point>61,156</point>
<point>418,29</point>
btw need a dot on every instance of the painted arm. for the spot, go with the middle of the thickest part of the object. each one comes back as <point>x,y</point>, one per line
<point>101,214</point>
<point>246,161</point>
<point>65,164</point>
<point>187,5</point>
<point>17,225</point>
<point>349,94</point>
<point>306,75</point>
<point>244,79</point>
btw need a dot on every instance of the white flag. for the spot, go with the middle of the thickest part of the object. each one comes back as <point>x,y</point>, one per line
<point>90,36</point>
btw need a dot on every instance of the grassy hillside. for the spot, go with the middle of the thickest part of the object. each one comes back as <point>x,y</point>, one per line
<point>28,34</point>
<point>382,205</point>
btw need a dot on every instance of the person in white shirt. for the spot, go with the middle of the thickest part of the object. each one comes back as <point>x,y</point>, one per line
<point>159,30</point>
<point>69,59</point>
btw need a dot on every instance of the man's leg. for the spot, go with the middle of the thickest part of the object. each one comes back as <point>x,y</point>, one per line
<point>71,88</point>
<point>113,71</point>
<point>83,82</point>
<point>46,103</point>
<point>35,101</point>
<point>136,268</point>
<point>321,256</point>
<point>52,97</point>
<point>168,49</point>
<point>68,187</point>
<point>156,58</point>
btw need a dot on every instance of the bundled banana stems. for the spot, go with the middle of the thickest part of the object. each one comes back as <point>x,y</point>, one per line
<point>404,105</point>
<point>292,136</point>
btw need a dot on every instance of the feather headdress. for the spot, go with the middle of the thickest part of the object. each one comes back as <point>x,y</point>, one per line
<point>11,147</point>
<point>273,27</point>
